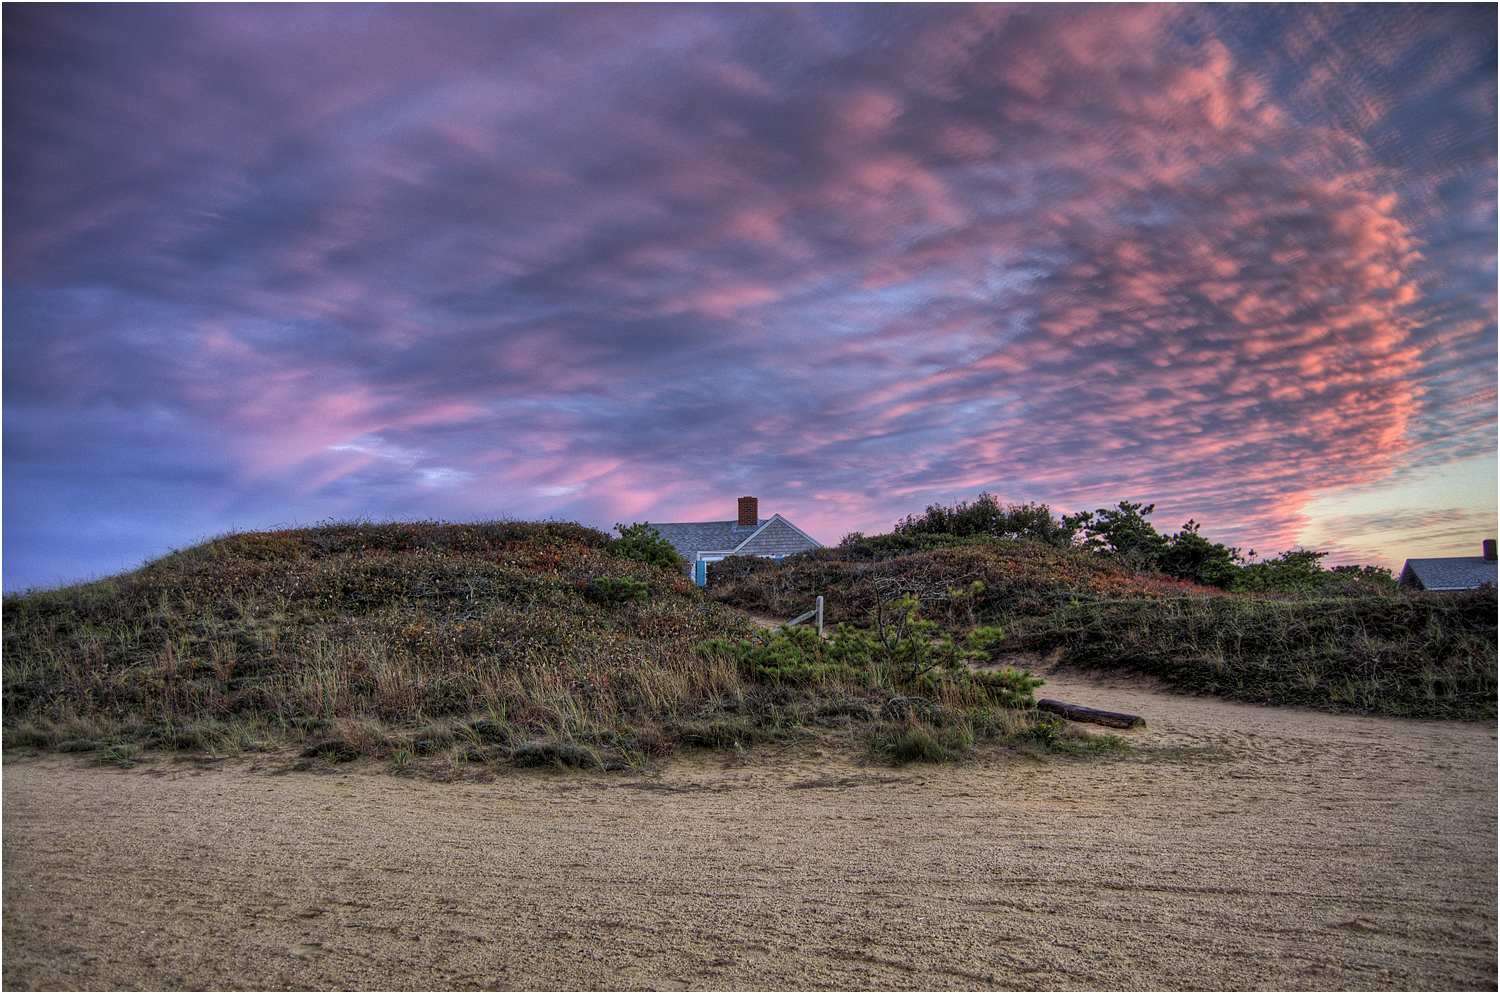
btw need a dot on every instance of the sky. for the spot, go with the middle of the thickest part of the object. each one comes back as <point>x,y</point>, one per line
<point>275,265</point>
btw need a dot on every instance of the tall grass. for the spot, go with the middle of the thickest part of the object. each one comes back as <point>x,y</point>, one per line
<point>254,640</point>
<point>1367,648</point>
<point>1016,578</point>
<point>491,642</point>
<point>510,642</point>
<point>1428,655</point>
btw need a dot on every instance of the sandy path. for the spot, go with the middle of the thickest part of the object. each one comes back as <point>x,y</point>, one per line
<point>1313,852</point>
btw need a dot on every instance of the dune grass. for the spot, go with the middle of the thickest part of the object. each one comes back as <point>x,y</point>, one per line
<point>521,643</point>
<point>1357,646</point>
<point>1415,655</point>
<point>426,645</point>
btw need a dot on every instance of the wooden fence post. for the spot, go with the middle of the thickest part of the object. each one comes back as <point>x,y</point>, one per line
<point>816,612</point>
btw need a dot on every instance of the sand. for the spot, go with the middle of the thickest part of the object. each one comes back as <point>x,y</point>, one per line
<point>1239,847</point>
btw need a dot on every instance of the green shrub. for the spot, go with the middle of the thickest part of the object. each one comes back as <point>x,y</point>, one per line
<point>798,656</point>
<point>1124,533</point>
<point>617,590</point>
<point>1189,556</point>
<point>1299,571</point>
<point>1357,580</point>
<point>987,517</point>
<point>1007,687</point>
<point>1121,531</point>
<point>643,543</point>
<point>732,568</point>
<point>903,652</point>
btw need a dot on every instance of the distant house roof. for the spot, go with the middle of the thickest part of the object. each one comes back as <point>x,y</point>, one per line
<point>774,536</point>
<point>1459,573</point>
<point>703,542</point>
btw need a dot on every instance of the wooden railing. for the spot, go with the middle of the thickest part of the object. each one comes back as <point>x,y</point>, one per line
<point>816,612</point>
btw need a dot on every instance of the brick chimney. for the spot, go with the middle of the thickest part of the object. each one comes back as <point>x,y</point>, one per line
<point>749,512</point>
<point>1489,549</point>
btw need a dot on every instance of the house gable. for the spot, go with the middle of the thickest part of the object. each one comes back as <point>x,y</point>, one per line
<point>775,539</point>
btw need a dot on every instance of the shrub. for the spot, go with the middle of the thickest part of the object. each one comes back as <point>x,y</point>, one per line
<point>798,656</point>
<point>616,590</point>
<point>904,652</point>
<point>1122,532</point>
<point>643,543</point>
<point>732,568</point>
<point>1017,578</point>
<point>1297,571</point>
<point>554,754</point>
<point>986,517</point>
<point>1189,556</point>
<point>1360,579</point>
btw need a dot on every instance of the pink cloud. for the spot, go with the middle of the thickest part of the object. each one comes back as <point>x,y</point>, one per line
<point>611,261</point>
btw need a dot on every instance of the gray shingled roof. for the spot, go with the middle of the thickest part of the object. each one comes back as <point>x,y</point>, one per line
<point>692,537</point>
<point>1459,573</point>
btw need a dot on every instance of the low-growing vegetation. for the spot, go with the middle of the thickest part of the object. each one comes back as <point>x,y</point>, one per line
<point>1108,592</point>
<point>1419,655</point>
<point>524,643</point>
<point>430,645</point>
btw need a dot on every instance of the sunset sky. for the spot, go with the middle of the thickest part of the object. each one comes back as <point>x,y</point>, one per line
<point>270,265</point>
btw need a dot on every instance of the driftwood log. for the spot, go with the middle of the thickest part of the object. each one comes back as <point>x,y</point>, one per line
<point>1074,712</point>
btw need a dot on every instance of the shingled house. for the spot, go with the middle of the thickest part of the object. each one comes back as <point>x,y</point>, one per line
<point>703,542</point>
<point>1456,573</point>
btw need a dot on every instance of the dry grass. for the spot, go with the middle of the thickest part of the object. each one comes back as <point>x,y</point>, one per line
<point>377,637</point>
<point>497,643</point>
<point>479,643</point>
<point>1357,646</point>
<point>1418,655</point>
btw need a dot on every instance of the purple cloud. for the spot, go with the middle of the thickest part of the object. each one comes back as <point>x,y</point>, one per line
<point>612,263</point>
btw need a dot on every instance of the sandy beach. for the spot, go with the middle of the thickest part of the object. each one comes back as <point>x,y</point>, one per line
<point>1237,847</point>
